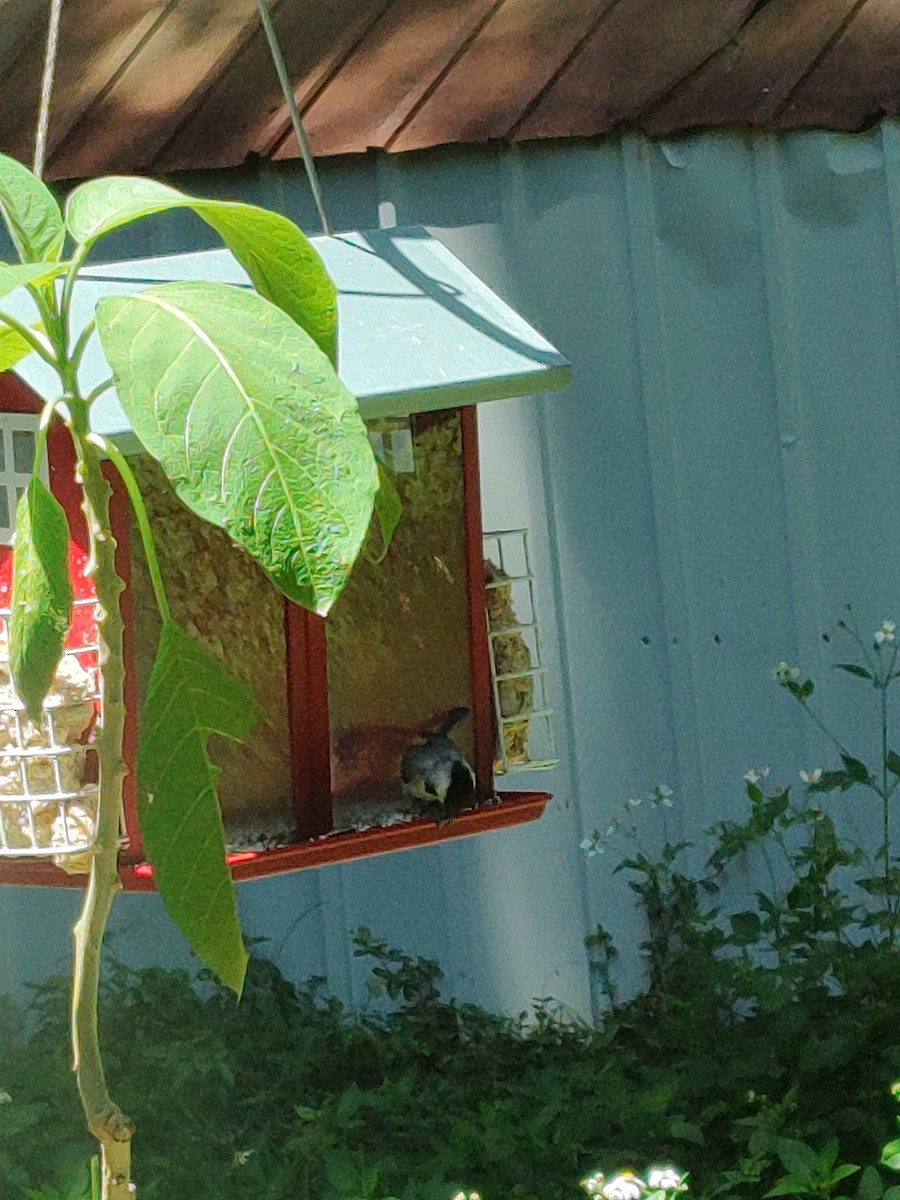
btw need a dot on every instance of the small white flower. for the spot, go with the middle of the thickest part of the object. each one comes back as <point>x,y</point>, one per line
<point>757,774</point>
<point>623,1187</point>
<point>611,828</point>
<point>592,846</point>
<point>661,795</point>
<point>885,633</point>
<point>5,1098</point>
<point>635,802</point>
<point>783,673</point>
<point>593,1184</point>
<point>242,1157</point>
<point>466,1196</point>
<point>811,776</point>
<point>666,1179</point>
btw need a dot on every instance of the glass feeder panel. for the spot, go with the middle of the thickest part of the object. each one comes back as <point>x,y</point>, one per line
<point>398,637</point>
<point>223,599</point>
<point>48,774</point>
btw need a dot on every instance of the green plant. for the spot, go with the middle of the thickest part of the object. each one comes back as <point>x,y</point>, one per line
<point>800,984</point>
<point>210,377</point>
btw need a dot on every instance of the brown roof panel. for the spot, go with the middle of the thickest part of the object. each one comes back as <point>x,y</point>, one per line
<point>147,85</point>
<point>243,111</point>
<point>636,55</point>
<point>389,74</point>
<point>858,79</point>
<point>748,80</point>
<point>100,40</point>
<point>511,60</point>
<point>133,115</point>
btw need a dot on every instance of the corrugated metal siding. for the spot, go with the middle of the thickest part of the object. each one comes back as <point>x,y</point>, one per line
<point>721,477</point>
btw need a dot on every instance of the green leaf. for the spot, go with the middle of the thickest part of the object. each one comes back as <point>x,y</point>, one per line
<point>795,1184</point>
<point>13,348</point>
<point>853,669</point>
<point>12,277</point>
<point>280,261</point>
<point>41,595</point>
<point>686,1131</point>
<point>31,213</point>
<point>386,516</point>
<point>830,781</point>
<point>189,696</point>
<point>871,1186</point>
<point>858,771</point>
<point>890,1155</point>
<point>844,1171</point>
<point>251,424</point>
<point>893,762</point>
<point>796,1156</point>
<point>745,927</point>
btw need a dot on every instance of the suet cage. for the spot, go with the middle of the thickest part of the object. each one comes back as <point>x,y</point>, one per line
<point>524,720</point>
<point>423,341</point>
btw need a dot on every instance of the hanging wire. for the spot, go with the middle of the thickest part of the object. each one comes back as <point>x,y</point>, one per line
<point>43,123</point>
<point>287,91</point>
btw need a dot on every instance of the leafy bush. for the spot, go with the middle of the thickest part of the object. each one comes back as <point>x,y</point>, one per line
<point>760,1054</point>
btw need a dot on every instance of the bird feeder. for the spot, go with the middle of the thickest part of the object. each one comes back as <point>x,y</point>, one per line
<point>413,637</point>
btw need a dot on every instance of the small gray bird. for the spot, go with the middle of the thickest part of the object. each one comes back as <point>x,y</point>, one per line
<point>435,774</point>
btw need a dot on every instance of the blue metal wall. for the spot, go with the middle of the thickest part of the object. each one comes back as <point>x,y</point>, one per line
<point>721,477</point>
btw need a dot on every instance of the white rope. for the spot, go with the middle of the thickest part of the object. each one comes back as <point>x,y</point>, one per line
<point>43,124</point>
<point>287,91</point>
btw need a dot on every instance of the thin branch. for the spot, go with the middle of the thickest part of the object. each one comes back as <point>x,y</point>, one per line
<point>100,389</point>
<point>37,341</point>
<point>120,462</point>
<point>83,338</point>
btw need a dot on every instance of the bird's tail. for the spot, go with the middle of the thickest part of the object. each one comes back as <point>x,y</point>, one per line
<point>452,719</point>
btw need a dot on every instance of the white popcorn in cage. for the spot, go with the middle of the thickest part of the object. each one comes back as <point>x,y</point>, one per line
<point>48,803</point>
<point>525,740</point>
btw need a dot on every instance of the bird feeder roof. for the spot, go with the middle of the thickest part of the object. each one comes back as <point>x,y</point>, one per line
<point>418,331</point>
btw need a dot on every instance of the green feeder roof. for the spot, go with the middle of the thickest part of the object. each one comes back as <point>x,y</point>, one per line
<point>418,331</point>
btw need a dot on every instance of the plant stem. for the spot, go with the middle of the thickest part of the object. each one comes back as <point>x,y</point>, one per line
<point>886,813</point>
<point>120,462</point>
<point>105,1119</point>
<point>817,720</point>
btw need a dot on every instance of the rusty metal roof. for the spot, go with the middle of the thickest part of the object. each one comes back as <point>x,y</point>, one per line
<point>159,85</point>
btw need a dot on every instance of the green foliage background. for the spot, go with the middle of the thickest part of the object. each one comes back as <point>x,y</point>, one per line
<point>289,1095</point>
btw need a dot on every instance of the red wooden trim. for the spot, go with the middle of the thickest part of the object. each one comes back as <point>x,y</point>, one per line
<point>307,685</point>
<point>36,874</point>
<point>120,524</point>
<point>479,661</point>
<point>514,808</point>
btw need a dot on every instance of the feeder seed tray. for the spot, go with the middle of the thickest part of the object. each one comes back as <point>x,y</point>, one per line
<point>47,805</point>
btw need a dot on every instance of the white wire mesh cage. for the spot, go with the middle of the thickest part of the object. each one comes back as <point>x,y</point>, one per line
<point>47,800</point>
<point>525,739</point>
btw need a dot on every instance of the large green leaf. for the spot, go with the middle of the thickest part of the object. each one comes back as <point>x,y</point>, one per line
<point>13,347</point>
<point>21,274</point>
<point>189,697</point>
<point>386,516</point>
<point>31,213</point>
<point>41,595</point>
<point>280,261</point>
<point>251,424</point>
